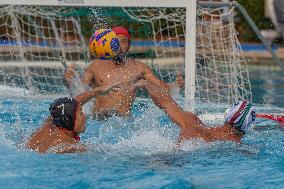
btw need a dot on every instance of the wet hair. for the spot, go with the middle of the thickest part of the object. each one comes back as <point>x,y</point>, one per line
<point>63,113</point>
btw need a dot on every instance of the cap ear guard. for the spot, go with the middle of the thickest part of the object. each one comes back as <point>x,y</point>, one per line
<point>67,121</point>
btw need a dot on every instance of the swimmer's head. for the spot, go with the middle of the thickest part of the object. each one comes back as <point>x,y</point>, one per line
<point>241,115</point>
<point>63,113</point>
<point>124,41</point>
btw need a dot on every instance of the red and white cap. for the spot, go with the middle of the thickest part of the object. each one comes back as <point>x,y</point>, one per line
<point>241,115</point>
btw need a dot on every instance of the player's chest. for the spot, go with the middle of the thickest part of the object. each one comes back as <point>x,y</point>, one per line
<point>118,75</point>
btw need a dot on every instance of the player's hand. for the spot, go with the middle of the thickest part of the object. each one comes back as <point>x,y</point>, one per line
<point>69,74</point>
<point>107,88</point>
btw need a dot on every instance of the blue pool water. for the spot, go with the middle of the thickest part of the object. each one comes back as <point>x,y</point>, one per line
<point>141,152</point>
<point>267,85</point>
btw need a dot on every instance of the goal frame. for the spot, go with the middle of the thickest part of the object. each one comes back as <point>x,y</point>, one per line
<point>190,35</point>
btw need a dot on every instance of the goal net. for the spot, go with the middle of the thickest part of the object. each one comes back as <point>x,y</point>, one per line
<point>36,42</point>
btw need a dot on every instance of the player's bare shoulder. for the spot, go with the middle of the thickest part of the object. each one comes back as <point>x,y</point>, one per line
<point>141,66</point>
<point>138,64</point>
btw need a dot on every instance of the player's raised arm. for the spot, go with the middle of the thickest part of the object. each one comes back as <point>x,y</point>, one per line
<point>149,76</point>
<point>70,75</point>
<point>89,94</point>
<point>88,76</point>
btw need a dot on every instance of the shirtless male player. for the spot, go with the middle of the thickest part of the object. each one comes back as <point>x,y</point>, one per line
<point>120,69</point>
<point>60,132</point>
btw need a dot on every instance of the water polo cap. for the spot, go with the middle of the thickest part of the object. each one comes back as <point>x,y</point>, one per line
<point>241,115</point>
<point>121,30</point>
<point>63,112</point>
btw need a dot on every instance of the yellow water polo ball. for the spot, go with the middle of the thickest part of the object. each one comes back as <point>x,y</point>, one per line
<point>104,44</point>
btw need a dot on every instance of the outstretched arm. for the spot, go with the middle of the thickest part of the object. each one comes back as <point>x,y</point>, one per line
<point>185,120</point>
<point>88,95</point>
<point>164,101</point>
<point>149,76</point>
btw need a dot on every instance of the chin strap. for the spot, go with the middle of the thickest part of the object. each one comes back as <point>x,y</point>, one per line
<point>76,137</point>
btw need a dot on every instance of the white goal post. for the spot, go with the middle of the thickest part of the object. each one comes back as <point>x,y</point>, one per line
<point>37,34</point>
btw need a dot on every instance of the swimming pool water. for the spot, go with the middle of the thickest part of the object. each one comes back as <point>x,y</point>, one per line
<point>267,85</point>
<point>141,152</point>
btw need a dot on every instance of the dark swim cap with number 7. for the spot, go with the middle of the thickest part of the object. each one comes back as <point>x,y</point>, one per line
<point>63,112</point>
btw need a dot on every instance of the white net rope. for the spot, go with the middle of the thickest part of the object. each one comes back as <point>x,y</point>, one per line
<point>222,73</point>
<point>168,31</point>
<point>221,70</point>
<point>33,42</point>
<point>34,39</point>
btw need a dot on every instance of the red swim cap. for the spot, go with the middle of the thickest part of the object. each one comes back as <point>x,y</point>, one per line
<point>121,30</point>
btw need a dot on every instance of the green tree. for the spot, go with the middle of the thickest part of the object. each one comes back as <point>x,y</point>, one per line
<point>255,9</point>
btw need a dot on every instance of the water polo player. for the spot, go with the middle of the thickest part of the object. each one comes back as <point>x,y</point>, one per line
<point>119,69</point>
<point>60,132</point>
<point>238,118</point>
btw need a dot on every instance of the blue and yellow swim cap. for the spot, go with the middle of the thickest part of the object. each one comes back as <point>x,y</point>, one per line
<point>241,115</point>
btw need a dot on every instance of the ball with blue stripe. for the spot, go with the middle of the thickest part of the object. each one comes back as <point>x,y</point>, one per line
<point>104,44</point>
